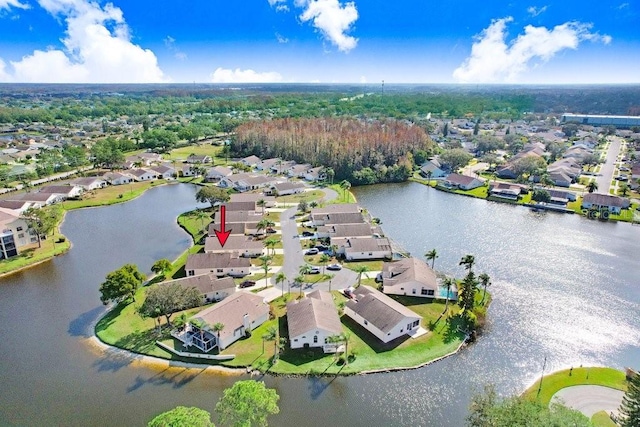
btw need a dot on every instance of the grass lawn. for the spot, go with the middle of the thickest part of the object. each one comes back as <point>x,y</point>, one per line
<point>342,197</point>
<point>183,152</point>
<point>111,195</point>
<point>193,225</point>
<point>480,192</point>
<point>373,265</point>
<point>556,381</point>
<point>31,254</point>
<point>602,419</point>
<point>277,259</point>
<point>308,196</point>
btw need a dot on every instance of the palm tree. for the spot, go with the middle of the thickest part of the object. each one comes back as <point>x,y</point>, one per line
<point>217,328</point>
<point>265,262</point>
<point>200,324</point>
<point>624,189</point>
<point>485,281</point>
<point>592,186</point>
<point>261,203</point>
<point>324,259</point>
<point>345,185</point>
<point>271,244</point>
<point>467,261</point>
<point>202,215</point>
<point>431,256</point>
<point>280,279</point>
<point>361,269</point>
<point>330,174</point>
<point>298,281</point>
<point>429,175</point>
<point>448,284</point>
<point>262,225</point>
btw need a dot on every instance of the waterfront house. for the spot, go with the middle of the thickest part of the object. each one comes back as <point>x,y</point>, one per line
<point>211,288</point>
<point>251,161</point>
<point>430,169</point>
<point>311,321</point>
<point>344,230</point>
<point>384,317</point>
<point>239,313</point>
<point>89,183</point>
<point>409,276</point>
<point>63,191</point>
<point>613,204</point>
<point>240,245</point>
<point>232,227</point>
<point>505,190</point>
<point>38,199</point>
<point>247,206</point>
<point>118,178</point>
<point>188,170</point>
<point>16,206</point>
<point>238,216</point>
<point>143,174</point>
<point>286,188</point>
<point>336,218</point>
<point>217,173</point>
<point>14,234</point>
<point>463,182</point>
<point>164,171</point>
<point>220,264</point>
<point>315,174</point>
<point>363,248</point>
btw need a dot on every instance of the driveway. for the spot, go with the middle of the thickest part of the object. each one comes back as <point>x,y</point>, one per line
<point>589,399</point>
<point>608,167</point>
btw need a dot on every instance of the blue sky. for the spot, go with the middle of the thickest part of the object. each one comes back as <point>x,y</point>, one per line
<point>399,41</point>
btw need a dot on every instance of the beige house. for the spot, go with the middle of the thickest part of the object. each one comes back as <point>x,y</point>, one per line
<point>409,276</point>
<point>236,244</point>
<point>385,318</point>
<point>239,313</point>
<point>209,285</point>
<point>312,320</point>
<point>221,264</point>
<point>14,234</point>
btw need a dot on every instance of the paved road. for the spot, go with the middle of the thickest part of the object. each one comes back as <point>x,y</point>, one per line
<point>607,168</point>
<point>294,258</point>
<point>589,399</point>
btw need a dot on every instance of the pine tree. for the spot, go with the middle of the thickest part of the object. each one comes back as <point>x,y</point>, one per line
<point>630,408</point>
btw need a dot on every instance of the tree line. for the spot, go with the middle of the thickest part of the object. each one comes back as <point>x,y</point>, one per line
<point>363,151</point>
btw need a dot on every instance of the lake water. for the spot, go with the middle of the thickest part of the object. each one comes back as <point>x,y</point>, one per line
<point>564,287</point>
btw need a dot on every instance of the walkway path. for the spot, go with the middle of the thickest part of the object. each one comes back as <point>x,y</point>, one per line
<point>608,167</point>
<point>589,399</point>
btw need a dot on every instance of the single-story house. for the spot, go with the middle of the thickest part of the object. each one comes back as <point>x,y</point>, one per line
<point>337,208</point>
<point>430,168</point>
<point>345,230</point>
<point>267,164</point>
<point>239,313</point>
<point>64,191</point>
<point>199,158</point>
<point>463,182</point>
<point>117,178</point>
<point>298,171</point>
<point>144,159</point>
<point>89,183</point>
<point>143,174</point>
<point>363,248</point>
<point>613,204</point>
<point>561,198</point>
<point>315,174</point>
<point>38,199</point>
<point>312,321</point>
<point>234,228</point>
<point>238,216</point>
<point>560,178</point>
<point>240,245</point>
<point>164,171</point>
<point>188,170</point>
<point>635,171</point>
<point>253,197</point>
<point>506,190</point>
<point>251,161</point>
<point>409,276</point>
<point>240,206</point>
<point>16,206</point>
<point>209,285</point>
<point>283,166</point>
<point>217,173</point>
<point>286,188</point>
<point>384,317</point>
<point>220,264</point>
<point>336,218</point>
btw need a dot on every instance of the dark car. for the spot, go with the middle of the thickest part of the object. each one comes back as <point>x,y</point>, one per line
<point>322,248</point>
<point>307,234</point>
<point>247,283</point>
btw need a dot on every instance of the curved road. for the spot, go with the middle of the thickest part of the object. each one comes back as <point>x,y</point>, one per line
<point>589,399</point>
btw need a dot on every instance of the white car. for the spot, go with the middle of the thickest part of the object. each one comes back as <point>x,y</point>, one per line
<point>312,251</point>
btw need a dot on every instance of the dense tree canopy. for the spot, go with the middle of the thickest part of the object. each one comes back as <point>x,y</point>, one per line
<point>121,284</point>
<point>345,145</point>
<point>630,408</point>
<point>247,403</point>
<point>212,195</point>
<point>455,158</point>
<point>164,300</point>
<point>182,416</point>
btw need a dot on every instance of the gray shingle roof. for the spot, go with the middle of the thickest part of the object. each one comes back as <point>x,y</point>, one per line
<point>378,309</point>
<point>310,314</point>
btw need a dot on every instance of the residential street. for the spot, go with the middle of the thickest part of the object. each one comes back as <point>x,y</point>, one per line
<point>294,258</point>
<point>605,176</point>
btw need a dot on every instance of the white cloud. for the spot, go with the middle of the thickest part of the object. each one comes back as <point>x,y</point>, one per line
<point>281,39</point>
<point>492,60</point>
<point>97,49</point>
<point>534,11</point>
<point>223,75</point>
<point>170,43</point>
<point>332,19</point>
<point>8,4</point>
<point>280,5</point>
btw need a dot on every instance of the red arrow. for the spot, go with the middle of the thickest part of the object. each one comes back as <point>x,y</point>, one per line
<point>222,235</point>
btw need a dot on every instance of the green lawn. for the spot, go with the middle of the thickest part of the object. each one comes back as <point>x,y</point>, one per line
<point>556,381</point>
<point>31,254</point>
<point>375,265</point>
<point>308,196</point>
<point>343,197</point>
<point>111,195</point>
<point>183,152</point>
<point>602,419</point>
<point>193,225</point>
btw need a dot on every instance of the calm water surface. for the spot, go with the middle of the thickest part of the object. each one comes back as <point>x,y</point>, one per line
<point>564,287</point>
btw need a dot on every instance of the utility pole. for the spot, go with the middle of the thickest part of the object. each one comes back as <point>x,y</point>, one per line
<point>542,376</point>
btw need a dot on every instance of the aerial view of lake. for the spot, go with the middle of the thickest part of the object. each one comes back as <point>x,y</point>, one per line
<point>564,288</point>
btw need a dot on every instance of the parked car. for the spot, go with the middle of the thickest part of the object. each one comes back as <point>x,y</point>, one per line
<point>247,283</point>
<point>622,178</point>
<point>270,230</point>
<point>314,270</point>
<point>378,278</point>
<point>348,292</point>
<point>334,267</point>
<point>311,251</point>
<point>322,248</point>
<point>308,234</point>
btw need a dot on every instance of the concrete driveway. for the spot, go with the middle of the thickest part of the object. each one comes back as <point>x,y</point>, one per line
<point>589,399</point>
